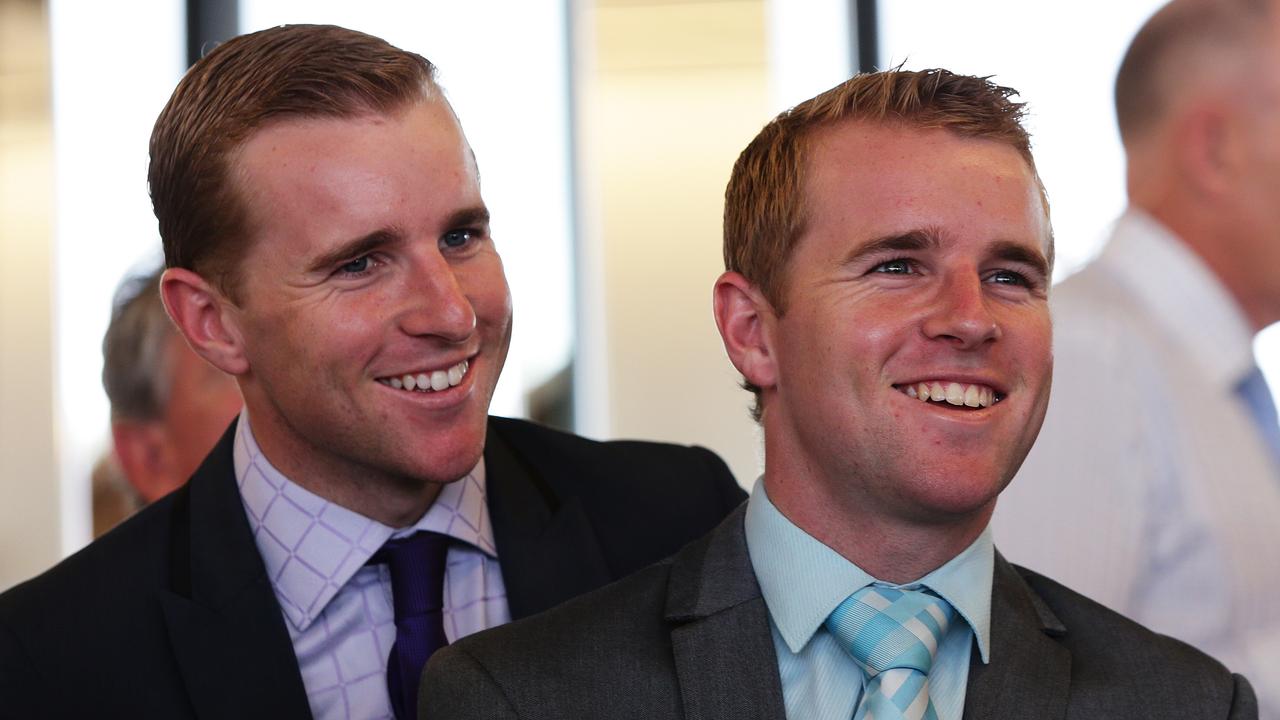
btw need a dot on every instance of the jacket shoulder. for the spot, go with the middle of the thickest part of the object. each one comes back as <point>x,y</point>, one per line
<point>131,554</point>
<point>1115,656</point>
<point>548,445</point>
<point>93,618</point>
<point>686,484</point>
<point>606,650</point>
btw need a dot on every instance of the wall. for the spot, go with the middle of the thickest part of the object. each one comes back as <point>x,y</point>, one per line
<point>669,93</point>
<point>29,511</point>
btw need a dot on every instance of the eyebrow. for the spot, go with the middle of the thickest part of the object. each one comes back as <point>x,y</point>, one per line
<point>898,242</point>
<point>1013,252</point>
<point>360,246</point>
<point>929,239</point>
<point>365,244</point>
<point>476,215</point>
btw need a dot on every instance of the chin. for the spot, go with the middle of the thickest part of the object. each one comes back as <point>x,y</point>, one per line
<point>956,497</point>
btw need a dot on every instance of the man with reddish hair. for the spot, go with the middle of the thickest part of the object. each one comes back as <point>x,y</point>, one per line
<point>888,254</point>
<point>328,246</point>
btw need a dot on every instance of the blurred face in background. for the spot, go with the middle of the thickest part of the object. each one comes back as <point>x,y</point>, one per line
<point>158,456</point>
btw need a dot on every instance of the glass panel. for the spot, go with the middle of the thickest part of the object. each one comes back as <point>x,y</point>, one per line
<point>113,70</point>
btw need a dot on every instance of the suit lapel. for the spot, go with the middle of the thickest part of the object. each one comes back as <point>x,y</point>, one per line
<point>1029,673</point>
<point>225,626</point>
<point>725,661</point>
<point>547,548</point>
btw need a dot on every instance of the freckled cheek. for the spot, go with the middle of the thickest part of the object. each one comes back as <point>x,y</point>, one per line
<point>872,337</point>
<point>339,333</point>
<point>1033,356</point>
<point>485,287</point>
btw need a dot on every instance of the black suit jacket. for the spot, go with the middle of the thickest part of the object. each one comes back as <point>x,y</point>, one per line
<point>172,615</point>
<point>690,638</point>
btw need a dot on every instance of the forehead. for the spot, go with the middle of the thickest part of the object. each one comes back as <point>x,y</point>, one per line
<point>331,179</point>
<point>874,179</point>
<point>423,133</point>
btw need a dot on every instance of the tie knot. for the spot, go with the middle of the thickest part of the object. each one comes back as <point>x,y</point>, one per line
<point>885,628</point>
<point>417,564</point>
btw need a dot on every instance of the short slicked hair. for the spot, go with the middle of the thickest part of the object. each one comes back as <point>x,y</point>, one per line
<point>292,71</point>
<point>764,209</point>
<point>1183,36</point>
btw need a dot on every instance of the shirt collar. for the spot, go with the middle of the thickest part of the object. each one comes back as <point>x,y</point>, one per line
<point>312,547</point>
<point>1195,308</point>
<point>786,557</point>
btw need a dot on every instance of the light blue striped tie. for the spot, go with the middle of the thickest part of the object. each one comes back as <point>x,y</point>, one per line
<point>893,635</point>
<point>1255,393</point>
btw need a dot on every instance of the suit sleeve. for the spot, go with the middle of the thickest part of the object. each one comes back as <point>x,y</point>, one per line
<point>1244,706</point>
<point>457,687</point>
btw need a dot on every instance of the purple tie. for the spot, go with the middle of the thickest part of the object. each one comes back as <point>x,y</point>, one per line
<point>417,564</point>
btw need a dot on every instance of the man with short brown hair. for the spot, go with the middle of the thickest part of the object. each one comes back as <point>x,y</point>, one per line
<point>888,250</point>
<point>328,245</point>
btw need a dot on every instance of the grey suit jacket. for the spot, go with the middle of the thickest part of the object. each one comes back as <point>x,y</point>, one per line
<point>689,638</point>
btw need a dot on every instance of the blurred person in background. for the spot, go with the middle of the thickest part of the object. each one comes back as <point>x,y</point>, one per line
<point>1155,484</point>
<point>168,406</point>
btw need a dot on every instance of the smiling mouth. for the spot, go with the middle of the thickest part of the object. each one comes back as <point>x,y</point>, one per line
<point>429,381</point>
<point>961,395</point>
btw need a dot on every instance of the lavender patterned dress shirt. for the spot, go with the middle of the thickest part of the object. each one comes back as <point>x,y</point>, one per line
<point>337,610</point>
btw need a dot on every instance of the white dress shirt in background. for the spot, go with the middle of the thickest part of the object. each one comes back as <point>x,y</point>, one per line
<point>1150,488</point>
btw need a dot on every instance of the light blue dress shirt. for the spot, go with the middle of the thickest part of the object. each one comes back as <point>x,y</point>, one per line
<point>803,580</point>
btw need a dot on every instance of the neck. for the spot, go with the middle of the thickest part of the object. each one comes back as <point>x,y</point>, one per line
<point>396,501</point>
<point>893,549</point>
<point>1210,236</point>
<point>394,506</point>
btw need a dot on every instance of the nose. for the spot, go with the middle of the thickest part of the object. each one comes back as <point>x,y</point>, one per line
<point>436,302</point>
<point>960,314</point>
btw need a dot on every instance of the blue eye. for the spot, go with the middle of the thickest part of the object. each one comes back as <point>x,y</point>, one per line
<point>357,266</point>
<point>458,238</point>
<point>900,266</point>
<point>1009,277</point>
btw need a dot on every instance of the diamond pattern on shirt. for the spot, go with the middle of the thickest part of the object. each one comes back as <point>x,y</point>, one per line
<point>339,610</point>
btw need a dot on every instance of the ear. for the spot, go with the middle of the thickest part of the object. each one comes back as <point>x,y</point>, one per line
<point>146,457</point>
<point>743,316</point>
<point>206,318</point>
<point>1208,147</point>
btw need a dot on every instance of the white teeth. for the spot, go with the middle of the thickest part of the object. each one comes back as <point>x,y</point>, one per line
<point>952,393</point>
<point>439,380</point>
<point>432,381</point>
